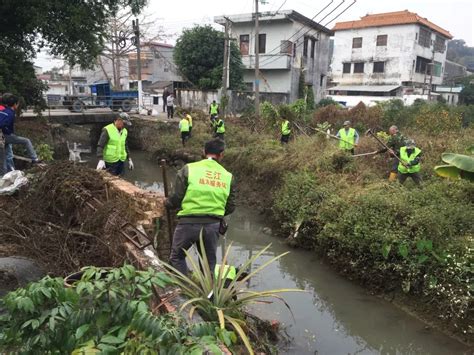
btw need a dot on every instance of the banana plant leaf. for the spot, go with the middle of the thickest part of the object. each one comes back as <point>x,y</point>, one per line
<point>463,162</point>
<point>453,172</point>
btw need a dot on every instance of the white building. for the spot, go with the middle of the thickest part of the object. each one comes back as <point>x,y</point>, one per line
<point>158,69</point>
<point>389,54</point>
<point>289,44</point>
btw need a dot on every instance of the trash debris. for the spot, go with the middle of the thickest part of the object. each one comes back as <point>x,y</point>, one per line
<point>12,181</point>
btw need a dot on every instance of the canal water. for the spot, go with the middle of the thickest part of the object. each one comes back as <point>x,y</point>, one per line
<point>333,316</point>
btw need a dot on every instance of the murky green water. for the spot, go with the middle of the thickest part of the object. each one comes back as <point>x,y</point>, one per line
<point>334,316</point>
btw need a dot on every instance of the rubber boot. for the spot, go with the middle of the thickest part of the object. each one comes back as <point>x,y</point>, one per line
<point>392,176</point>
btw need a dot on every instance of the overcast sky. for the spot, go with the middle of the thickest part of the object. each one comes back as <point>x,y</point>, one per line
<point>456,16</point>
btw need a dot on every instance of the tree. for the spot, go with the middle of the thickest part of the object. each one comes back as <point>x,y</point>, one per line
<point>467,95</point>
<point>74,31</point>
<point>119,42</point>
<point>199,55</point>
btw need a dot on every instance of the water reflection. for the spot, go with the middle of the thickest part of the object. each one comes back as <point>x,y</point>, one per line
<point>335,316</point>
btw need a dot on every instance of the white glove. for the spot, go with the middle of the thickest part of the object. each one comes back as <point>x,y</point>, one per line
<point>101,165</point>
<point>130,164</point>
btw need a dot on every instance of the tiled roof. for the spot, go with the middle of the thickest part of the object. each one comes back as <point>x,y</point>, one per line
<point>390,19</point>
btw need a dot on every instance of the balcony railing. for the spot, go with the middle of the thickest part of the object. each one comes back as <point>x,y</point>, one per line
<point>268,61</point>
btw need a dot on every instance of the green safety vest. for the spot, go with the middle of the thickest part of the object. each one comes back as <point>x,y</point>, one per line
<point>231,274</point>
<point>207,191</point>
<point>214,109</point>
<point>184,125</point>
<point>347,139</point>
<point>115,150</point>
<point>407,159</point>
<point>285,128</point>
<point>220,129</point>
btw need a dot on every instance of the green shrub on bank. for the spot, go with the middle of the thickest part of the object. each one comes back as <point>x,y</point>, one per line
<point>388,236</point>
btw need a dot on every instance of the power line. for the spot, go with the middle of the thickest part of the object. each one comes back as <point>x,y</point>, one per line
<point>271,60</point>
<point>294,34</point>
<point>302,28</point>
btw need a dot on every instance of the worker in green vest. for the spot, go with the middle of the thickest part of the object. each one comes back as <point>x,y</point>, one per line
<point>410,155</point>
<point>190,120</point>
<point>394,143</point>
<point>285,131</point>
<point>184,129</point>
<point>203,194</point>
<point>214,110</point>
<point>348,137</point>
<point>112,148</point>
<point>219,129</point>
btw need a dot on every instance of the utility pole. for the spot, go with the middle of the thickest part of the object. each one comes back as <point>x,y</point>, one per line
<point>431,74</point>
<point>225,70</point>
<point>257,69</point>
<point>136,30</point>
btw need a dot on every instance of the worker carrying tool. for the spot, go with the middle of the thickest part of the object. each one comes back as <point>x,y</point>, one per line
<point>349,138</point>
<point>204,193</point>
<point>285,131</point>
<point>112,148</point>
<point>219,128</point>
<point>409,166</point>
<point>184,129</point>
<point>214,110</point>
<point>395,142</point>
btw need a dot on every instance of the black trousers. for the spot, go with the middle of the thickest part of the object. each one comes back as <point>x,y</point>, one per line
<point>416,177</point>
<point>285,138</point>
<point>187,235</point>
<point>184,137</point>
<point>115,168</point>
<point>170,110</point>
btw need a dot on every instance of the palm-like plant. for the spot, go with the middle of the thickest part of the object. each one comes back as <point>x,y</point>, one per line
<point>215,302</point>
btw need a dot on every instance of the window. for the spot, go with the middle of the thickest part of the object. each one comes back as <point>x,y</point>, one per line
<point>262,42</point>
<point>440,44</point>
<point>244,44</point>
<point>358,68</point>
<point>82,89</point>
<point>321,80</point>
<point>346,68</point>
<point>357,42</point>
<point>424,39</point>
<point>381,40</point>
<point>305,47</point>
<point>156,100</point>
<point>422,65</point>
<point>437,69</point>
<point>286,47</point>
<point>313,47</point>
<point>379,67</point>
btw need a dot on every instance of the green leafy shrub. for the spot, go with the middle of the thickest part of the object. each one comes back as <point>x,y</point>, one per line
<point>310,104</point>
<point>437,119</point>
<point>106,311</point>
<point>390,237</point>
<point>44,152</point>
<point>269,113</point>
<point>326,102</point>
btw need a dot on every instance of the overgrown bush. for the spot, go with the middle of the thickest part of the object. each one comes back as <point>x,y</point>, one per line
<point>437,119</point>
<point>108,311</point>
<point>390,237</point>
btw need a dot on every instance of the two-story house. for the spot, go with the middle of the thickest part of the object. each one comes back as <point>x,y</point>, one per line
<point>388,54</point>
<point>289,44</point>
<point>158,69</point>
